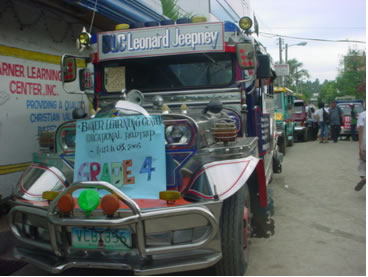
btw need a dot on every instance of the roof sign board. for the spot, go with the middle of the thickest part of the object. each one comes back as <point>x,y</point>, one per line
<point>282,69</point>
<point>176,39</point>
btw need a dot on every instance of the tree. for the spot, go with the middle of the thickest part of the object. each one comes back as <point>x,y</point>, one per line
<point>328,91</point>
<point>297,74</point>
<point>351,78</point>
<point>170,9</point>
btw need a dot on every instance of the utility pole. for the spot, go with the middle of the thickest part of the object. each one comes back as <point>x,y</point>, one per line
<point>286,53</point>
<point>280,49</point>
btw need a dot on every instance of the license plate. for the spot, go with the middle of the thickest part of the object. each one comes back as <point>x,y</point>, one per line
<point>99,238</point>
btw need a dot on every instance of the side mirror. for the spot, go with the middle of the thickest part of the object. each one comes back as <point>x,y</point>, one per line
<point>264,67</point>
<point>77,74</point>
<point>68,69</point>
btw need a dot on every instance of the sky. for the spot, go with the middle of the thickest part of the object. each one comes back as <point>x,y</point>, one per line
<point>317,19</point>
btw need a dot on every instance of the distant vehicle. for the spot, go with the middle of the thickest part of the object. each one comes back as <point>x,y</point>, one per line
<point>302,128</point>
<point>284,108</point>
<point>344,103</point>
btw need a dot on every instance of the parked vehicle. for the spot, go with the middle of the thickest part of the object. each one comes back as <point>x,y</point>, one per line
<point>302,129</point>
<point>172,172</point>
<point>344,103</point>
<point>284,109</point>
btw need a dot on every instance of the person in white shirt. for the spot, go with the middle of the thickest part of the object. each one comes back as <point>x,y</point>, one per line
<point>362,147</point>
<point>323,126</point>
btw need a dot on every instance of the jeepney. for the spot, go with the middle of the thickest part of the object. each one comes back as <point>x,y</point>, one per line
<point>302,129</point>
<point>284,109</point>
<point>169,171</point>
<point>345,103</point>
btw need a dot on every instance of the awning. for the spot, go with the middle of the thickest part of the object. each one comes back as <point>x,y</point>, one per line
<point>121,11</point>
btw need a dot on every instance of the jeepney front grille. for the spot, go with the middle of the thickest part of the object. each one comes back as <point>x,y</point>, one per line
<point>32,227</point>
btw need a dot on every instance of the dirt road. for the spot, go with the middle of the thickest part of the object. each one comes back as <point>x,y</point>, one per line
<point>320,221</point>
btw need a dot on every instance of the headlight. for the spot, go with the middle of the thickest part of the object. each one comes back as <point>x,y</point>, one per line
<point>178,134</point>
<point>245,23</point>
<point>66,137</point>
<point>84,39</point>
<point>69,138</point>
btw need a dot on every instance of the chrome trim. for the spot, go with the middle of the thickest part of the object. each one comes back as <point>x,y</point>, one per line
<point>28,210</point>
<point>56,267</point>
<point>138,218</point>
<point>193,103</point>
<point>188,92</point>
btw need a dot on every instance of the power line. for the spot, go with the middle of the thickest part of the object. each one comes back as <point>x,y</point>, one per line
<point>314,39</point>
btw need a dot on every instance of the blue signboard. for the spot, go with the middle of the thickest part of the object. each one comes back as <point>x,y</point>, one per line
<point>128,152</point>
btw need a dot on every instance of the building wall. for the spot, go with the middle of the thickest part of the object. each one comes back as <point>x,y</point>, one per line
<point>32,39</point>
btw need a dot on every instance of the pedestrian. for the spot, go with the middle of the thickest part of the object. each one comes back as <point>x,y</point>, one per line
<point>314,123</point>
<point>353,122</point>
<point>322,117</point>
<point>336,119</point>
<point>362,138</point>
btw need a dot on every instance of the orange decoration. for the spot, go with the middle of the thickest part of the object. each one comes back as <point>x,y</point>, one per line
<point>110,203</point>
<point>66,203</point>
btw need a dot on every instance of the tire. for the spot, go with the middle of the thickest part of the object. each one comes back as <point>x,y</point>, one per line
<point>282,145</point>
<point>291,142</point>
<point>234,235</point>
<point>305,135</point>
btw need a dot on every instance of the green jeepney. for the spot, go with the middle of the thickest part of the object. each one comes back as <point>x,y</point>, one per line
<point>284,108</point>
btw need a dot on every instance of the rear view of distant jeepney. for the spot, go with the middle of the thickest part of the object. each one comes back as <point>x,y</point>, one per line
<point>169,170</point>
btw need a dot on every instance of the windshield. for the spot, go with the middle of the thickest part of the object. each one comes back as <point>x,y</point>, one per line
<point>347,110</point>
<point>278,100</point>
<point>298,107</point>
<point>171,72</point>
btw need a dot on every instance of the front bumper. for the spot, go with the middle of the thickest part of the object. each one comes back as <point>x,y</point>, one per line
<point>165,239</point>
<point>345,131</point>
<point>299,129</point>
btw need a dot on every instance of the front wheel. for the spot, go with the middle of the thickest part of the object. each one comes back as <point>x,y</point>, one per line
<point>282,144</point>
<point>291,141</point>
<point>235,230</point>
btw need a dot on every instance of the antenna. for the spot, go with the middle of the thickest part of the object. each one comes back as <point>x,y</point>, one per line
<point>93,17</point>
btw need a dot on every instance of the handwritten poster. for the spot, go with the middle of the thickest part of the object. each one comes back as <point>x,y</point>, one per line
<point>128,152</point>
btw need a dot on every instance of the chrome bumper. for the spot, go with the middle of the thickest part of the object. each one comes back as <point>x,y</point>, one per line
<point>54,252</point>
<point>299,129</point>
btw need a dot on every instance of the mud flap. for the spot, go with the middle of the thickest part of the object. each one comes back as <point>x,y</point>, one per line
<point>263,224</point>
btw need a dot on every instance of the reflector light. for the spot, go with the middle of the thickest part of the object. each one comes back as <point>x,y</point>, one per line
<point>88,200</point>
<point>121,27</point>
<point>170,195</point>
<point>197,19</point>
<point>66,203</point>
<point>49,195</point>
<point>110,204</point>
